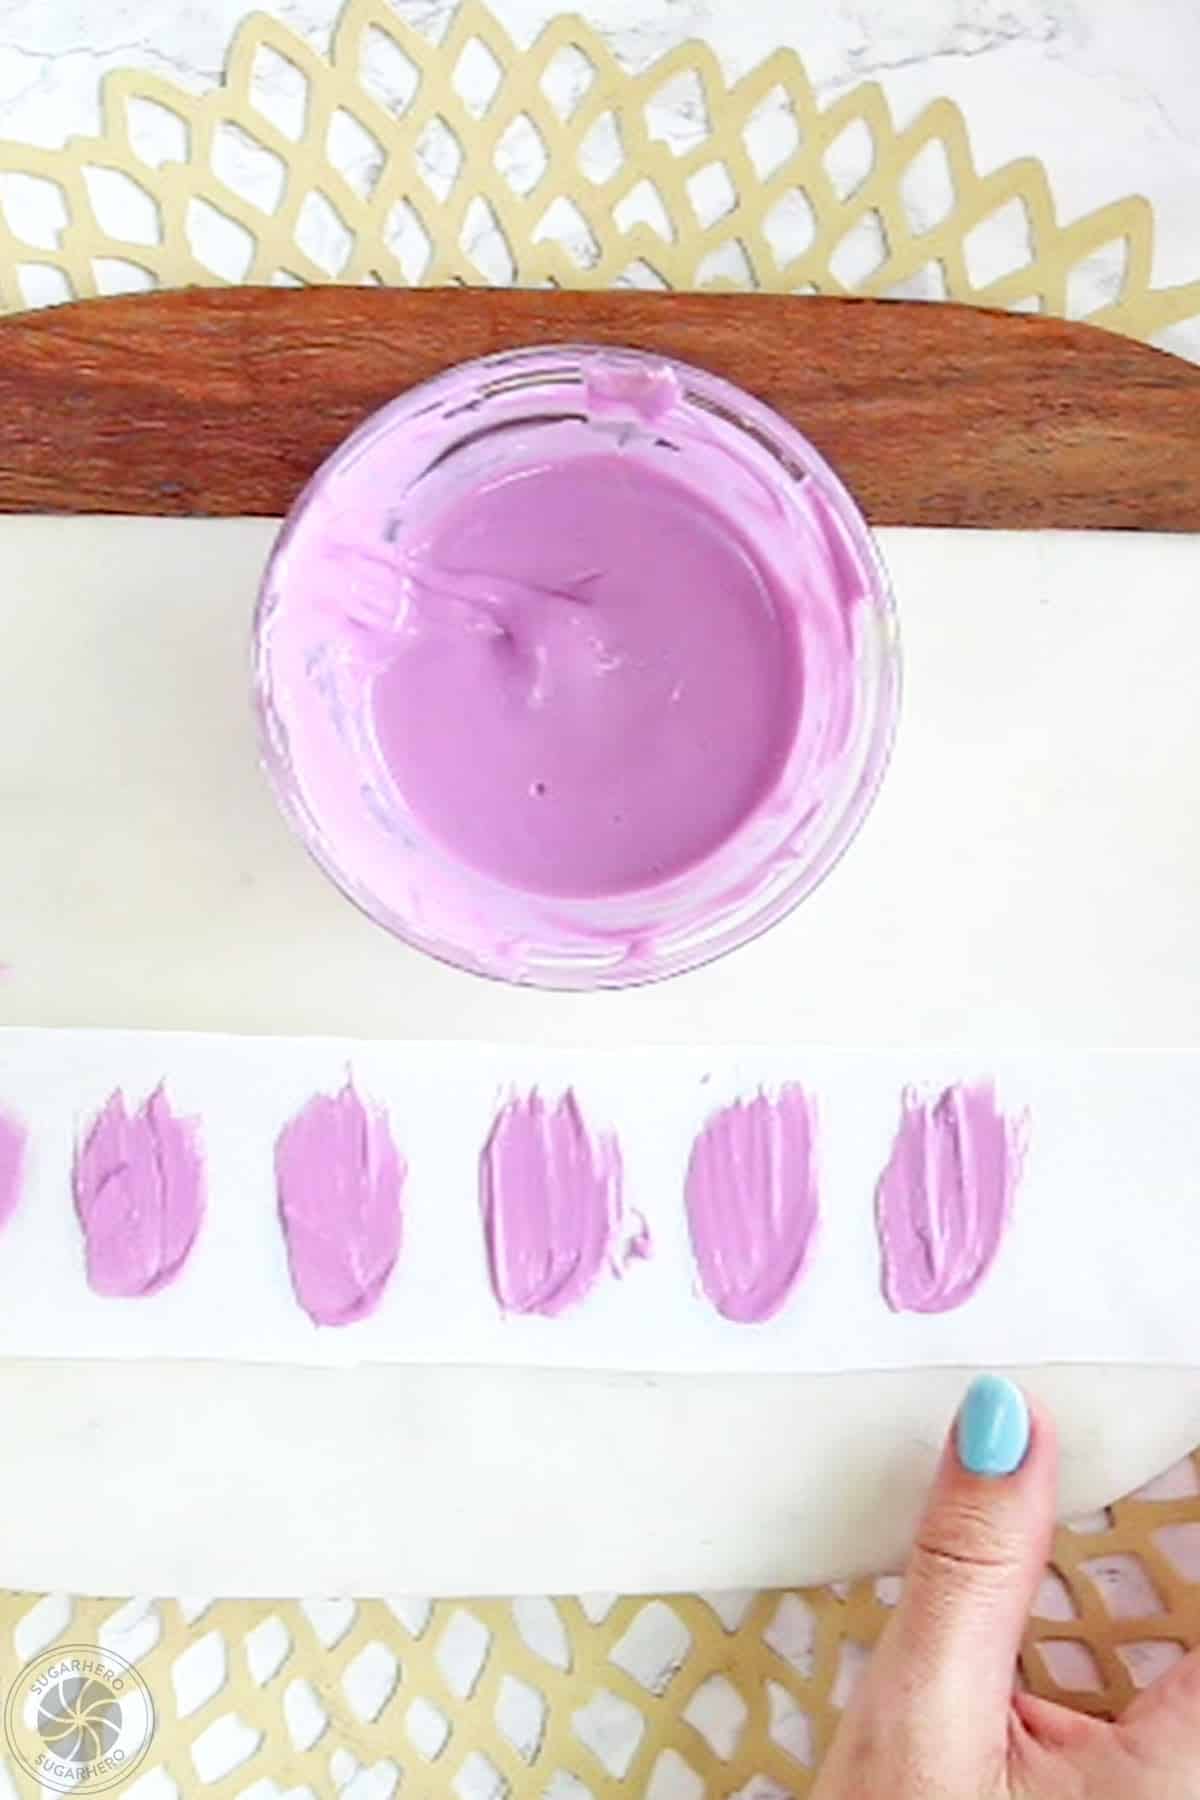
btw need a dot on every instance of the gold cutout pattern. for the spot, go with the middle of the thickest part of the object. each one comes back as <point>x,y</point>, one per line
<point>398,161</point>
<point>674,1698</point>
<point>402,162</point>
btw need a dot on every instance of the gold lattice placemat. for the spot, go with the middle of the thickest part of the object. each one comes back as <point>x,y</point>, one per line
<point>398,160</point>
<point>674,1698</point>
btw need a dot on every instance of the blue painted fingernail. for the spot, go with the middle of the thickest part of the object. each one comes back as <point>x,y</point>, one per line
<point>992,1435</point>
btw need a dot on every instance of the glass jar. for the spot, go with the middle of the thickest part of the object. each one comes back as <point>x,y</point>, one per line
<point>332,612</point>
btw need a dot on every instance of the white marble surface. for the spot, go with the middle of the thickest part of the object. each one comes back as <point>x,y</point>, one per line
<point>156,888</point>
<point>1102,91</point>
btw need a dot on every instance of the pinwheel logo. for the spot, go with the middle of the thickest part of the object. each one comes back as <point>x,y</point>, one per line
<point>79,1717</point>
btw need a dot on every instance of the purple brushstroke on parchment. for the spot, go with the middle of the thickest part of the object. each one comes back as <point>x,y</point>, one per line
<point>138,1183</point>
<point>945,1198</point>
<point>752,1200</point>
<point>12,1165</point>
<point>340,1183</point>
<point>550,1192</point>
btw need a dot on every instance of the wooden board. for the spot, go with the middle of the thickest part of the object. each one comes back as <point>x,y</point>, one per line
<point>223,401</point>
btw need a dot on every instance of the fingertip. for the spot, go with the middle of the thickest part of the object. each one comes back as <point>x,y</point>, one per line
<point>1002,1434</point>
<point>992,1431</point>
<point>1052,1726</point>
<point>1169,1706</point>
<point>1043,1431</point>
<point>980,1549</point>
<point>1007,1501</point>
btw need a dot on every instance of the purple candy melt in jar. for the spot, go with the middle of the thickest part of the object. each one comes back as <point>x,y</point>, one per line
<point>576,666</point>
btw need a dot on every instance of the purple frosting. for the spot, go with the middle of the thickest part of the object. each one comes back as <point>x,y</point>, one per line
<point>12,1162</point>
<point>551,1197</point>
<point>752,1203</point>
<point>340,1182</point>
<point>945,1198</point>
<point>139,1195</point>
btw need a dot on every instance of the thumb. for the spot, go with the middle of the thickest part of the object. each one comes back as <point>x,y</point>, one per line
<point>953,1641</point>
<point>1163,1723</point>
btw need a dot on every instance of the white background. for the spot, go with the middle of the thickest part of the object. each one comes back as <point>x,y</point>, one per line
<point>475,1480</point>
<point>1028,876</point>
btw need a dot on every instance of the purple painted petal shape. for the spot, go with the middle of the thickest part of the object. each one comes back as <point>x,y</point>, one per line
<point>340,1183</point>
<point>12,1163</point>
<point>551,1198</point>
<point>138,1183</point>
<point>753,1205</point>
<point>945,1198</point>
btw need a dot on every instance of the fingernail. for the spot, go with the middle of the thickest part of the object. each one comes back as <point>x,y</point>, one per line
<point>992,1434</point>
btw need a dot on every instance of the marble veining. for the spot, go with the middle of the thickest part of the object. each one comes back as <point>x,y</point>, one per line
<point>1106,93</point>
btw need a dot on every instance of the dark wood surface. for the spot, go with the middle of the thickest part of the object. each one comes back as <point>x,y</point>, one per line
<point>223,401</point>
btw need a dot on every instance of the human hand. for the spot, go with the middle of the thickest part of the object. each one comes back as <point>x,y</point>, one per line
<point>935,1716</point>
